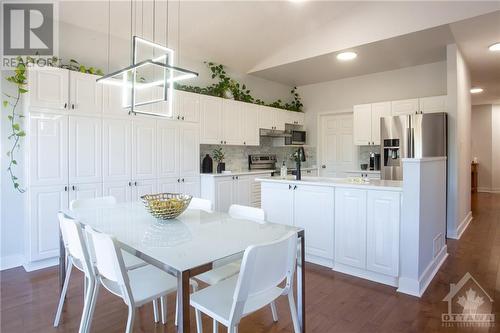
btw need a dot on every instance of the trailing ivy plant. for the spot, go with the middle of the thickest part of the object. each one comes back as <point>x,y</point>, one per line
<point>226,87</point>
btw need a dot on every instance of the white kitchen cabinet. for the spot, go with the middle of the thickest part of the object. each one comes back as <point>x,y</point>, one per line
<point>169,185</point>
<point>382,231</point>
<point>250,125</point>
<point>85,93</point>
<point>294,118</point>
<point>362,124</point>
<point>210,120</point>
<point>190,186</point>
<point>314,212</point>
<point>310,172</point>
<point>350,227</point>
<point>186,106</point>
<point>224,193</point>
<point>280,119</point>
<point>112,101</point>
<point>116,149</point>
<point>144,149</point>
<point>242,190</point>
<point>142,187</point>
<point>168,149</point>
<point>232,112</point>
<point>189,150</point>
<point>85,191</point>
<point>267,117</point>
<point>121,190</point>
<point>379,110</point>
<point>48,145</point>
<point>433,104</point>
<point>44,203</point>
<point>277,202</point>
<point>85,157</point>
<point>361,173</point>
<point>48,89</point>
<point>404,107</point>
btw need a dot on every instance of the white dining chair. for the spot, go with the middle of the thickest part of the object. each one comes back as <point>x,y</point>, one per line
<point>136,287</point>
<point>249,213</point>
<point>131,261</point>
<point>202,204</point>
<point>263,269</point>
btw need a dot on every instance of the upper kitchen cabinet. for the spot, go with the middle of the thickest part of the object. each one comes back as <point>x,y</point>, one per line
<point>116,149</point>
<point>186,106</point>
<point>404,106</point>
<point>48,88</point>
<point>85,95</point>
<point>210,119</point>
<point>294,118</point>
<point>272,118</point>
<point>379,110</point>
<point>250,125</point>
<point>232,112</point>
<point>112,101</point>
<point>144,149</point>
<point>362,124</point>
<point>433,104</point>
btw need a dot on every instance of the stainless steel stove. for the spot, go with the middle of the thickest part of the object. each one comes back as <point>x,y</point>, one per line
<point>262,162</point>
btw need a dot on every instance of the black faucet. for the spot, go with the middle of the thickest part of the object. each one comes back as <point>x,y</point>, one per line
<point>301,157</point>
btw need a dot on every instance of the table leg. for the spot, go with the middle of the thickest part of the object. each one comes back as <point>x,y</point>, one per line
<point>183,321</point>
<point>301,275</point>
<point>62,261</point>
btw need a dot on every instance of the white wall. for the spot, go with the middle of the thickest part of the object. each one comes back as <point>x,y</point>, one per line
<point>459,143</point>
<point>410,82</point>
<point>481,135</point>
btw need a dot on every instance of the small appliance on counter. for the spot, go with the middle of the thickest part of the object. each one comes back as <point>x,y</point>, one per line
<point>262,162</point>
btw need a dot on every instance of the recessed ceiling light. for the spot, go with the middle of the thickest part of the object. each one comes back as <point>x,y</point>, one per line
<point>494,48</point>
<point>346,56</point>
<point>476,90</point>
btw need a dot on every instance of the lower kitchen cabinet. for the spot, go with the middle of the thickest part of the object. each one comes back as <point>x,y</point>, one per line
<point>143,187</point>
<point>277,202</point>
<point>121,190</point>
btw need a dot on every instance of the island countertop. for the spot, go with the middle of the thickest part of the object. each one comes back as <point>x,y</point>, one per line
<point>373,184</point>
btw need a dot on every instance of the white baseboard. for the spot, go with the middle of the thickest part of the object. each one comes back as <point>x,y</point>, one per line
<point>417,287</point>
<point>461,227</point>
<point>364,274</point>
<point>319,260</point>
<point>11,261</point>
<point>488,190</point>
<point>36,265</point>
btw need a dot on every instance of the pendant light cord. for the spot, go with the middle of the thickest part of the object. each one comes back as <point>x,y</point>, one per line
<point>109,32</point>
<point>166,25</point>
<point>179,34</point>
<point>131,26</point>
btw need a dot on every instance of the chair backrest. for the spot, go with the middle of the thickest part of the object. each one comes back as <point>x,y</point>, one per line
<point>92,203</point>
<point>74,242</point>
<point>108,263</point>
<point>202,204</point>
<point>248,213</point>
<point>263,268</point>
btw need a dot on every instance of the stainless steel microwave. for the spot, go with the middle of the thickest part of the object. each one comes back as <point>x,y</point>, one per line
<point>296,138</point>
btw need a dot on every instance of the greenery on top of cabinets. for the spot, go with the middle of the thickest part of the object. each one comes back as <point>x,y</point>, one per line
<point>226,87</point>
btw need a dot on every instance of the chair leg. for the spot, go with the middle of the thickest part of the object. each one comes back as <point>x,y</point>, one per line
<point>63,294</point>
<point>91,307</point>
<point>86,306</point>
<point>176,308</point>
<point>293,312</point>
<point>155,311</point>
<point>130,320</point>
<point>199,323</point>
<point>274,311</point>
<point>233,329</point>
<point>215,326</point>
<point>163,305</point>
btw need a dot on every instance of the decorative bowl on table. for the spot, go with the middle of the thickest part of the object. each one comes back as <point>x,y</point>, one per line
<point>166,205</point>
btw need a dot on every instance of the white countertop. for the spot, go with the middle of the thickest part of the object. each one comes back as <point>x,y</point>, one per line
<point>374,184</point>
<point>237,173</point>
<point>364,171</point>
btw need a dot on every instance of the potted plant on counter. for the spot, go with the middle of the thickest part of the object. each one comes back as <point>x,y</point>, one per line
<point>219,157</point>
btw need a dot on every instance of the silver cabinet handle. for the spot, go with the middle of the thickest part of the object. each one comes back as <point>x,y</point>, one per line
<point>73,188</point>
<point>289,186</point>
<point>65,105</point>
<point>178,180</point>
<point>183,180</point>
<point>182,117</point>
<point>295,187</point>
<point>129,183</point>
<point>135,183</point>
<point>65,188</point>
<point>72,106</point>
<point>323,166</point>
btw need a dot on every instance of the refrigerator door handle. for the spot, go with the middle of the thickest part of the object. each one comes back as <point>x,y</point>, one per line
<point>412,142</point>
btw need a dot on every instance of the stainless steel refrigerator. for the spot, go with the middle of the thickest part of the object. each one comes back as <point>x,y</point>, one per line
<point>410,136</point>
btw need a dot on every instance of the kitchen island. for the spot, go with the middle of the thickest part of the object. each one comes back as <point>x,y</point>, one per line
<point>391,232</point>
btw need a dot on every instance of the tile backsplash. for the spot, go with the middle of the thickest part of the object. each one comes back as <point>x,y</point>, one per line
<point>364,153</point>
<point>236,157</point>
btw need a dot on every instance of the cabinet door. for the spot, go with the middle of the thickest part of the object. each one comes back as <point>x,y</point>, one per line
<point>48,142</point>
<point>85,95</point>
<point>277,202</point>
<point>112,100</point>
<point>405,106</point>
<point>116,149</point>
<point>266,117</point>
<point>85,150</point>
<point>295,118</point>
<point>44,204</point>
<point>433,104</point>
<point>142,187</point>
<point>280,118</point>
<point>168,149</point>
<point>191,186</point>
<point>224,193</point>
<point>382,232</point>
<point>314,211</point>
<point>350,227</point>
<point>250,125</point>
<point>210,120</point>
<point>243,190</point>
<point>379,110</point>
<point>85,191</point>
<point>143,149</point>
<point>232,112</point>
<point>362,124</point>
<point>48,88</point>
<point>187,106</point>
<point>169,185</point>
<point>120,190</point>
<point>189,152</point>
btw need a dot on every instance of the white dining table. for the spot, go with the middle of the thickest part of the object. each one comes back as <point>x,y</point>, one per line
<point>186,246</point>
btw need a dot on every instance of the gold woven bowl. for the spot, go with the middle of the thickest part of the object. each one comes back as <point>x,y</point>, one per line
<point>166,205</point>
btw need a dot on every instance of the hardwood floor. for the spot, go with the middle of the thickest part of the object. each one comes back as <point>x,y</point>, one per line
<point>335,302</point>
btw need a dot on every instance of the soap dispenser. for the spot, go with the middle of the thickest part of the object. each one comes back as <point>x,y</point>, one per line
<point>283,171</point>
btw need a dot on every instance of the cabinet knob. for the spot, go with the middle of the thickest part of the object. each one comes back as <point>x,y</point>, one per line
<point>182,117</point>
<point>72,106</point>
<point>65,105</point>
<point>224,142</point>
<point>323,166</point>
<point>289,186</point>
<point>237,177</point>
<point>178,117</point>
<point>129,183</point>
<point>178,180</point>
<point>295,187</point>
<point>244,142</point>
<point>135,183</point>
<point>183,180</point>
<point>73,188</point>
<point>65,189</point>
